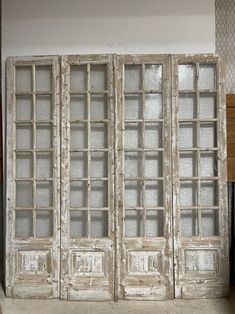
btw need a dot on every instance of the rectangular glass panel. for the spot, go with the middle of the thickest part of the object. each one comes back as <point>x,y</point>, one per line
<point>24,137</point>
<point>24,165</point>
<point>98,107</point>
<point>43,108</point>
<point>208,135</point>
<point>44,137</point>
<point>78,135</point>
<point>208,106</point>
<point>24,224</point>
<point>44,194</point>
<point>99,135</point>
<point>44,223</point>
<point>188,164</point>
<point>133,223</point>
<point>78,194</point>
<point>153,135</point>
<point>98,78</point>
<point>208,164</point>
<point>43,78</point>
<point>133,164</point>
<point>188,193</point>
<point>23,78</point>
<point>153,106</point>
<point>189,222</point>
<point>153,164</point>
<point>99,194</point>
<point>207,76</point>
<point>133,107</point>
<point>187,76</point>
<point>24,108</point>
<point>99,223</point>
<point>78,223</point>
<point>78,78</point>
<point>210,222</point>
<point>187,106</point>
<point>78,165</point>
<point>44,165</point>
<point>209,193</point>
<point>24,194</point>
<point>78,107</point>
<point>132,77</point>
<point>154,223</point>
<point>153,76</point>
<point>133,194</point>
<point>133,135</point>
<point>187,135</point>
<point>154,193</point>
<point>99,164</point>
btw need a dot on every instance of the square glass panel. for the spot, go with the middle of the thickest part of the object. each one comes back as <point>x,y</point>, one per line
<point>188,164</point>
<point>153,76</point>
<point>133,135</point>
<point>78,194</point>
<point>209,193</point>
<point>44,165</point>
<point>99,164</point>
<point>132,77</point>
<point>133,194</point>
<point>78,135</point>
<point>187,106</point>
<point>78,107</point>
<point>153,106</point>
<point>24,165</point>
<point>24,224</point>
<point>99,223</point>
<point>98,79</point>
<point>210,222</point>
<point>23,78</point>
<point>133,223</point>
<point>154,223</point>
<point>153,164</point>
<point>99,194</point>
<point>24,108</point>
<point>99,135</point>
<point>44,137</point>
<point>187,76</point>
<point>44,223</point>
<point>43,108</point>
<point>78,78</point>
<point>78,165</point>
<point>44,194</point>
<point>154,193</point>
<point>153,135</point>
<point>43,78</point>
<point>24,136</point>
<point>188,193</point>
<point>133,164</point>
<point>24,194</point>
<point>187,135</point>
<point>133,107</point>
<point>98,107</point>
<point>207,76</point>
<point>78,223</point>
<point>208,164</point>
<point>208,135</point>
<point>189,222</point>
<point>208,106</point>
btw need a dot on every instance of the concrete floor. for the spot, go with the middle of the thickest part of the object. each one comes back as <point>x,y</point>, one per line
<point>210,306</point>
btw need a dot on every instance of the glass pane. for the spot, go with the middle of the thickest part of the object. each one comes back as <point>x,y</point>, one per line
<point>78,165</point>
<point>189,223</point>
<point>153,135</point>
<point>24,224</point>
<point>98,107</point>
<point>154,193</point>
<point>99,135</point>
<point>24,108</point>
<point>133,194</point>
<point>78,194</point>
<point>207,76</point>
<point>99,223</point>
<point>98,77</point>
<point>208,164</point>
<point>78,78</point>
<point>43,108</point>
<point>78,107</point>
<point>44,194</point>
<point>208,106</point>
<point>187,135</point>
<point>99,164</point>
<point>78,135</point>
<point>188,164</point>
<point>187,76</point>
<point>154,223</point>
<point>24,165</point>
<point>132,77</point>
<point>78,223</point>
<point>44,137</point>
<point>133,164</point>
<point>44,223</point>
<point>43,78</point>
<point>153,165</point>
<point>187,107</point>
<point>188,193</point>
<point>133,135</point>
<point>24,194</point>
<point>153,106</point>
<point>208,135</point>
<point>133,107</point>
<point>209,193</point>
<point>99,194</point>
<point>24,79</point>
<point>44,165</point>
<point>24,138</point>
<point>133,223</point>
<point>153,76</point>
<point>210,222</point>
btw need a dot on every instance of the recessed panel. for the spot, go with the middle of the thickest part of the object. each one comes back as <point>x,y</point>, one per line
<point>153,76</point>
<point>144,262</point>
<point>24,108</point>
<point>201,261</point>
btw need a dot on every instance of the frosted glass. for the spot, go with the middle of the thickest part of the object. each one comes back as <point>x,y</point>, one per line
<point>43,108</point>
<point>154,223</point>
<point>44,223</point>
<point>78,194</point>
<point>44,137</point>
<point>24,194</point>
<point>132,77</point>
<point>98,78</point>
<point>98,107</point>
<point>154,195</point>
<point>153,76</point>
<point>187,135</point>
<point>153,106</point>
<point>44,164</point>
<point>208,106</point>
<point>210,222</point>
<point>188,164</point>
<point>187,107</point>
<point>133,107</point>
<point>78,135</point>
<point>43,78</point>
<point>189,223</point>
<point>78,107</point>
<point>188,193</point>
<point>24,138</point>
<point>187,76</point>
<point>24,165</point>
<point>208,164</point>
<point>44,194</point>
<point>99,164</point>
<point>153,165</point>
<point>208,135</point>
<point>99,194</point>
<point>24,79</point>
<point>207,76</point>
<point>99,223</point>
<point>133,135</point>
<point>99,135</point>
<point>153,135</point>
<point>209,193</point>
<point>133,194</point>
<point>133,223</point>
<point>78,78</point>
<point>24,108</point>
<point>24,224</point>
<point>133,164</point>
<point>78,165</point>
<point>78,223</point>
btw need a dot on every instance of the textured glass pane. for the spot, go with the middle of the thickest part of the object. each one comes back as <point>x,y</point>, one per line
<point>133,223</point>
<point>24,194</point>
<point>78,194</point>
<point>44,164</point>
<point>44,137</point>
<point>24,138</point>
<point>78,165</point>
<point>24,224</point>
<point>78,107</point>
<point>153,135</point>
<point>207,76</point>
<point>24,108</point>
<point>24,79</point>
<point>210,222</point>
<point>187,135</point>
<point>189,223</point>
<point>44,193</point>
<point>132,77</point>
<point>208,106</point>
<point>187,107</point>
<point>24,165</point>
<point>153,106</point>
<point>78,223</point>
<point>188,193</point>
<point>78,78</point>
<point>188,164</point>
<point>187,76</point>
<point>154,223</point>
<point>98,107</point>
<point>98,78</point>
<point>43,78</point>
<point>99,223</point>
<point>208,164</point>
<point>99,135</point>
<point>133,107</point>
<point>44,223</point>
<point>209,193</point>
<point>133,194</point>
<point>153,165</point>
<point>153,76</point>
<point>133,164</point>
<point>208,135</point>
<point>99,194</point>
<point>43,108</point>
<point>133,135</point>
<point>99,164</point>
<point>154,195</point>
<point>78,135</point>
